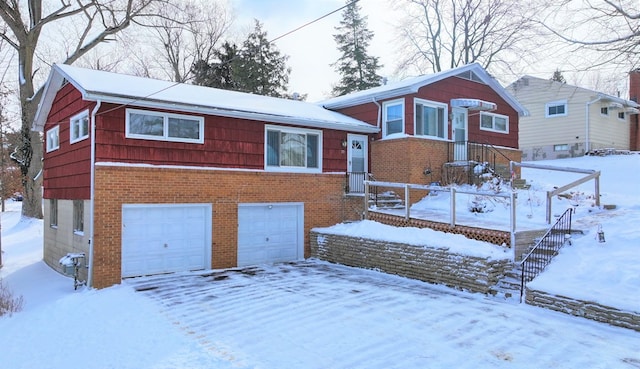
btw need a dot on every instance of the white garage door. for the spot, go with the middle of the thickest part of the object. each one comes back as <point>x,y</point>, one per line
<point>165,238</point>
<point>269,233</point>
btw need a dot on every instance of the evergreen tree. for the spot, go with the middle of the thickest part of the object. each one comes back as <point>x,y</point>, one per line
<point>558,77</point>
<point>261,69</point>
<point>221,73</point>
<point>358,70</point>
<point>257,68</point>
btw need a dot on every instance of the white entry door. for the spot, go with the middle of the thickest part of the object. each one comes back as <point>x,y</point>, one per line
<point>460,135</point>
<point>163,238</point>
<point>357,163</point>
<point>270,233</point>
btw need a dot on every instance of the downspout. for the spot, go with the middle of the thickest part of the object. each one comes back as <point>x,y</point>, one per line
<point>379,120</point>
<point>93,191</point>
<point>586,142</point>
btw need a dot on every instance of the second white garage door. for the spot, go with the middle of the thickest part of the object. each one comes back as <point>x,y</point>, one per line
<point>162,238</point>
<point>269,233</point>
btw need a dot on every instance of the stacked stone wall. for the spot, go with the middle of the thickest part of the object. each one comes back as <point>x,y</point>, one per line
<point>431,264</point>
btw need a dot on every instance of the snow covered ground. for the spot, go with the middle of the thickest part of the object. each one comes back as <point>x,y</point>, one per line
<point>317,315</point>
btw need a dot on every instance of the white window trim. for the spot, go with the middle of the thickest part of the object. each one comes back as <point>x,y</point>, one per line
<point>305,131</point>
<point>165,130</point>
<point>55,130</point>
<point>384,116</point>
<point>556,103</point>
<point>72,121</point>
<point>493,122</point>
<point>606,111</point>
<point>624,116</point>
<point>561,147</point>
<point>433,104</point>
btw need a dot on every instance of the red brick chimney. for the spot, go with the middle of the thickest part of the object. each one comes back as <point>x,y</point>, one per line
<point>634,94</point>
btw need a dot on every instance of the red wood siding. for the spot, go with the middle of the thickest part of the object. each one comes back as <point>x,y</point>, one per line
<point>443,91</point>
<point>229,143</point>
<point>67,170</point>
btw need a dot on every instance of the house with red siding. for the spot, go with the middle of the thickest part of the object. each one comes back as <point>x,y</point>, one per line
<point>145,176</point>
<point>438,127</point>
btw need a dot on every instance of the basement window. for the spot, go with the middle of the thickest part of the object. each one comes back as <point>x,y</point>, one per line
<point>78,217</point>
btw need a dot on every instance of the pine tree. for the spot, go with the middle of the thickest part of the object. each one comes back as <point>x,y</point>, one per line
<point>221,73</point>
<point>261,69</point>
<point>358,70</point>
<point>258,67</point>
<point>558,77</point>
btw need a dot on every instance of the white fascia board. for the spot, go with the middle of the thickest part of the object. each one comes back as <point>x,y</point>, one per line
<point>44,106</point>
<point>269,118</point>
<point>373,96</point>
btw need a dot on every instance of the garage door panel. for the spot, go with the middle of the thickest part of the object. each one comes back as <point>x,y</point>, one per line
<point>269,233</point>
<point>165,238</point>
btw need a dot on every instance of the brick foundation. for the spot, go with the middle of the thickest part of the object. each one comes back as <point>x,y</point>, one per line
<point>322,195</point>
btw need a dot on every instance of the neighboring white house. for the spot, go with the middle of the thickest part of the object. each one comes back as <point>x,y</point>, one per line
<point>568,121</point>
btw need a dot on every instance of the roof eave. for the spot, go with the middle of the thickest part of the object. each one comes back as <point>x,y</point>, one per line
<point>367,98</point>
<point>298,121</point>
<point>46,100</point>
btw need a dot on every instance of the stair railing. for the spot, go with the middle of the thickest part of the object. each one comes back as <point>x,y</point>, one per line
<point>541,254</point>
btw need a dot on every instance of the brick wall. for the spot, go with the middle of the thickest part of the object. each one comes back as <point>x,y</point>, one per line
<point>586,309</point>
<point>426,263</point>
<point>322,194</point>
<point>406,160</point>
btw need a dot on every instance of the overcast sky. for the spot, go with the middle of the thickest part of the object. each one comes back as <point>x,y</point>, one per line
<point>312,49</point>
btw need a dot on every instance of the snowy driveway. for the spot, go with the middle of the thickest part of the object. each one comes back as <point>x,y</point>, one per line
<point>313,314</point>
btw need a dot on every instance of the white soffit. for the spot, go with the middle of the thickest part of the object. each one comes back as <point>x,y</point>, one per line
<point>473,104</point>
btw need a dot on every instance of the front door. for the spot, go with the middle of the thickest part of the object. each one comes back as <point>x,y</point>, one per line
<point>356,162</point>
<point>460,136</point>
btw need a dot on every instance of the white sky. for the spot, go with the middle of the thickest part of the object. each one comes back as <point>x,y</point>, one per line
<point>312,49</point>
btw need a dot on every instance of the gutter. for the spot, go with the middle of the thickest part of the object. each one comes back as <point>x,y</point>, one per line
<point>586,141</point>
<point>93,190</point>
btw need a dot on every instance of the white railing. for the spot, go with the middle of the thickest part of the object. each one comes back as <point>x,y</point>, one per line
<point>452,208</point>
<point>591,174</point>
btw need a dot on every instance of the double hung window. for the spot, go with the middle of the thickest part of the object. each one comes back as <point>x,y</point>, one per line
<point>393,118</point>
<point>79,126</point>
<point>431,119</point>
<point>53,139</point>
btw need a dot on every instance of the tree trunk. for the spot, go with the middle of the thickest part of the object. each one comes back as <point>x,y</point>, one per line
<point>31,145</point>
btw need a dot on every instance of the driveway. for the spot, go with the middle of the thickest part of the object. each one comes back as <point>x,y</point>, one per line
<point>313,314</point>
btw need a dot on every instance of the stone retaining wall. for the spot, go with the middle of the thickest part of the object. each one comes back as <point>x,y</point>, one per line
<point>586,309</point>
<point>426,263</point>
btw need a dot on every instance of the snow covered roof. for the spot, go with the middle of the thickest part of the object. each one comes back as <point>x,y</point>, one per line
<point>145,92</point>
<point>411,86</point>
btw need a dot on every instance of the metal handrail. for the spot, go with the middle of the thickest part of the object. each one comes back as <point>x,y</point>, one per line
<point>548,247</point>
<point>355,182</point>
